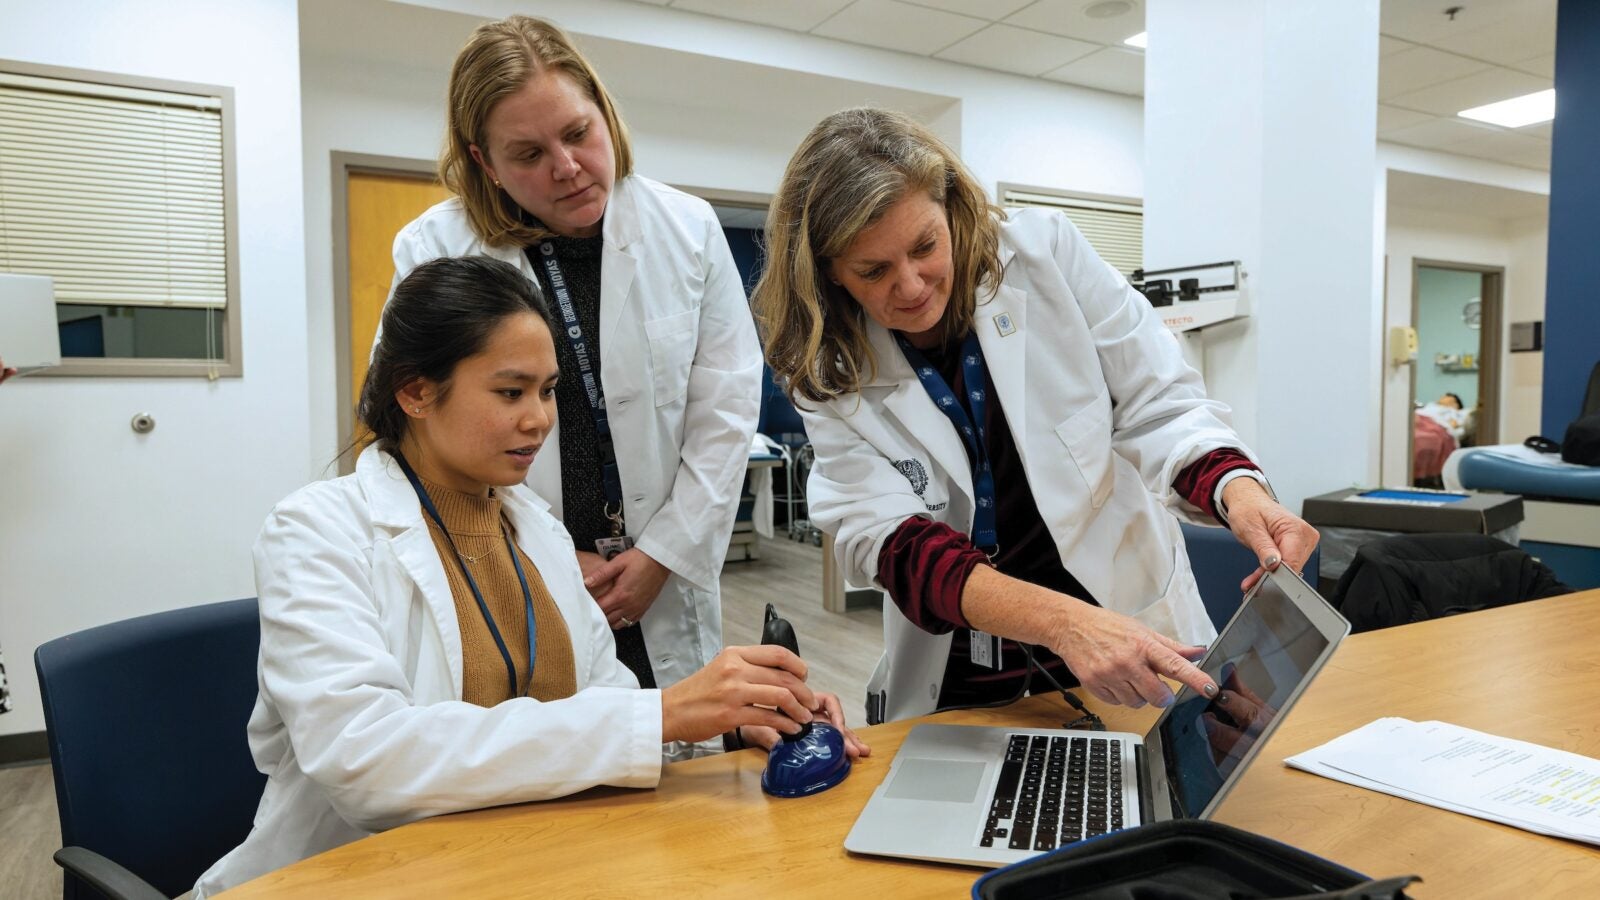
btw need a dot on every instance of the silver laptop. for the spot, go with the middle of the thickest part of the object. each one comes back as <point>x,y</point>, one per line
<point>991,796</point>
<point>29,337</point>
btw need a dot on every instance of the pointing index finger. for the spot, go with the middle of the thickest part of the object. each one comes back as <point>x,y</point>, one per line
<point>1182,671</point>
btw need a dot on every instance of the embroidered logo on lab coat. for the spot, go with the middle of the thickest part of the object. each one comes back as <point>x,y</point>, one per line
<point>918,476</point>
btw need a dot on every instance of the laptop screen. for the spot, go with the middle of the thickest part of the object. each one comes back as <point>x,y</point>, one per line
<point>1259,662</point>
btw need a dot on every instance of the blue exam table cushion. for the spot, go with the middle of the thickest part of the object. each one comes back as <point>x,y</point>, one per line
<point>1515,469</point>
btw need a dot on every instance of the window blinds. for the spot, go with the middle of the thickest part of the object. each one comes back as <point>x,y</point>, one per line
<point>1114,230</point>
<point>116,193</point>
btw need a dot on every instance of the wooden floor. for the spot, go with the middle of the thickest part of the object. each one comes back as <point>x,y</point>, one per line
<point>29,834</point>
<point>840,650</point>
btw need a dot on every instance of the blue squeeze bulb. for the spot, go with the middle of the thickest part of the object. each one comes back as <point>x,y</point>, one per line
<point>809,764</point>
<point>811,760</point>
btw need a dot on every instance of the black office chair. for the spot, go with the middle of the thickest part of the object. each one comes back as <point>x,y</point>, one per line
<point>1220,562</point>
<point>146,724</point>
<point>1591,394</point>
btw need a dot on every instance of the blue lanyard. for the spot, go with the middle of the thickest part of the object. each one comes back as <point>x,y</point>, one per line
<point>488,618</point>
<point>970,427</point>
<point>610,475</point>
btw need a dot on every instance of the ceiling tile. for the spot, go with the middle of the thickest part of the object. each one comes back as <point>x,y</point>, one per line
<point>1018,50</point>
<point>1111,69</point>
<point>781,13</point>
<point>1388,45</point>
<point>1419,67</point>
<point>1530,33</point>
<point>1530,159</point>
<point>1476,89</point>
<point>1543,130</point>
<point>1513,139</point>
<point>1506,146</point>
<point>1426,23</point>
<point>1439,133</point>
<point>1540,65</point>
<point>1392,118</point>
<point>898,26</point>
<point>992,10</point>
<point>1408,189</point>
<point>1072,18</point>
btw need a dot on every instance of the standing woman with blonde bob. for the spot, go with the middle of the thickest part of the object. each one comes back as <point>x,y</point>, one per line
<point>661,366</point>
<point>1006,436</point>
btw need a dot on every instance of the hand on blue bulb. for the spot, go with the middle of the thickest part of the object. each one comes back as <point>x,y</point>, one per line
<point>828,710</point>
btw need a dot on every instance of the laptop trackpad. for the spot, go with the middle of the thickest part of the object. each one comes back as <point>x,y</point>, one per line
<point>936,779</point>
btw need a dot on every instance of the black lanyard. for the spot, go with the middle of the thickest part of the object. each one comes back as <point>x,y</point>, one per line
<point>609,473</point>
<point>970,427</point>
<point>488,618</point>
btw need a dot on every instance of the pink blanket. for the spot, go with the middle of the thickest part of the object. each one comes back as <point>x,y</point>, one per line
<point>1431,444</point>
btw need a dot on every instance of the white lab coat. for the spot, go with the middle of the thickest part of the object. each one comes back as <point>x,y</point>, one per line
<point>1105,414</point>
<point>681,370</point>
<point>359,724</point>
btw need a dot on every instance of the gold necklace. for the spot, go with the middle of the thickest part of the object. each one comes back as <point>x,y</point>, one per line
<point>472,559</point>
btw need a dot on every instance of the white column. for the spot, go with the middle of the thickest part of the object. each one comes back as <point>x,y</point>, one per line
<point>1260,120</point>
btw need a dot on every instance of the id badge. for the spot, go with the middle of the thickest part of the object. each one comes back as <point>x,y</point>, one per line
<point>983,649</point>
<point>609,547</point>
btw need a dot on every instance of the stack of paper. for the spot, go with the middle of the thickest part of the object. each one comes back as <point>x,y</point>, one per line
<point>1532,787</point>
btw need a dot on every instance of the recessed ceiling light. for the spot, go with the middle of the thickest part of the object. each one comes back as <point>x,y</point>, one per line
<point>1107,9</point>
<point>1529,109</point>
<point>1139,40</point>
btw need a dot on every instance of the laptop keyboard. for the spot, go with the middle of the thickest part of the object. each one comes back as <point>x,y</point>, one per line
<point>1054,791</point>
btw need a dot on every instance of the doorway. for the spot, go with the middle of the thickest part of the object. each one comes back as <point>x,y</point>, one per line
<point>1455,384</point>
<point>373,199</point>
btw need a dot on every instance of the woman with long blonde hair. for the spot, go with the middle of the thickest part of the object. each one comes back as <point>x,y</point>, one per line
<point>1006,435</point>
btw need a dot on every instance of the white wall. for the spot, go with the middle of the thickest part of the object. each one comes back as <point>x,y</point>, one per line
<point>1400,158</point>
<point>1013,128</point>
<point>352,107</point>
<point>1522,374</point>
<point>711,103</point>
<point>98,523</point>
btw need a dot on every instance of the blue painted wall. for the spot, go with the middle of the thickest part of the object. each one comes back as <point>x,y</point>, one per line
<point>1572,298</point>
<point>779,419</point>
<point>748,254</point>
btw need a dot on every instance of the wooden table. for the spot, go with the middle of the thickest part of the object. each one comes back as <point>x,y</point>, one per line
<point>1530,671</point>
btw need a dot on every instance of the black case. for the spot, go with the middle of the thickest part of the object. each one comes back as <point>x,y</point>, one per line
<point>1181,859</point>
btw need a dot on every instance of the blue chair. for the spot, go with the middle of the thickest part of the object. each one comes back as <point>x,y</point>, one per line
<point>1220,562</point>
<point>146,724</point>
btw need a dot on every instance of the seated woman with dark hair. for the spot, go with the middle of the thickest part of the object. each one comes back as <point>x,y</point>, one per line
<point>427,643</point>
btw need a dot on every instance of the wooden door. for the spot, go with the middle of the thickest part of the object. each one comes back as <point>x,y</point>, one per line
<point>378,205</point>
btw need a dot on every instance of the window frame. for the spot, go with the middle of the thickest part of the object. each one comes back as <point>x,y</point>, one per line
<point>1131,205</point>
<point>231,362</point>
